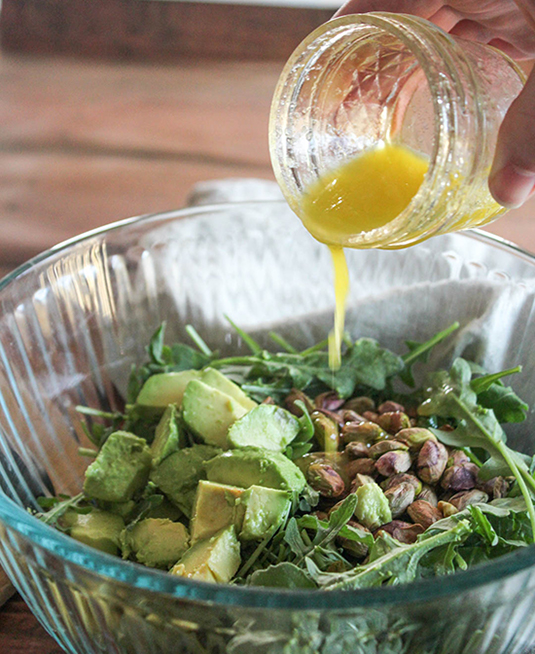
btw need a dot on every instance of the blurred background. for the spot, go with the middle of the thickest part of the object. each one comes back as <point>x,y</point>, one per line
<point>115,108</point>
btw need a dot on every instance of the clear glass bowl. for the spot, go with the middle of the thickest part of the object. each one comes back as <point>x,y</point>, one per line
<point>73,321</point>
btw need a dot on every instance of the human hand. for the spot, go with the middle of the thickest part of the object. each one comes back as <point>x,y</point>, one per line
<point>510,26</point>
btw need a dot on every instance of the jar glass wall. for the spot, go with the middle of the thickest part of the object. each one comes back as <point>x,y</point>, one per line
<point>362,81</point>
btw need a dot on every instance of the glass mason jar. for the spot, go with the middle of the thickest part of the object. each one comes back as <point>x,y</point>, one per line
<point>361,81</point>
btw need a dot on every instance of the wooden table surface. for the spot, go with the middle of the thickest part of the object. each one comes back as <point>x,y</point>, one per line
<point>85,143</point>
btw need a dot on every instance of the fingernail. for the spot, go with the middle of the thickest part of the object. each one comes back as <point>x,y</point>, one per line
<point>511,186</point>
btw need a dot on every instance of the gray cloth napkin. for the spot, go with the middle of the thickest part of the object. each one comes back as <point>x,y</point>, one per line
<point>233,189</point>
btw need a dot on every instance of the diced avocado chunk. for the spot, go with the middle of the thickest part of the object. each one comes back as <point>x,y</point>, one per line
<point>253,512</point>
<point>372,508</point>
<point>124,509</point>
<point>209,412</point>
<point>155,542</point>
<point>216,507</point>
<point>165,388</point>
<point>265,509</point>
<point>177,476</point>
<point>168,437</point>
<point>215,559</point>
<point>99,529</point>
<point>252,466</point>
<point>267,426</point>
<point>215,379</point>
<point>166,509</point>
<point>120,469</point>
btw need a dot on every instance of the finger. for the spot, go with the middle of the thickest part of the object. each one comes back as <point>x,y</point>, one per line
<point>472,30</point>
<point>510,49</point>
<point>445,17</point>
<point>422,8</point>
<point>512,178</point>
<point>527,7</point>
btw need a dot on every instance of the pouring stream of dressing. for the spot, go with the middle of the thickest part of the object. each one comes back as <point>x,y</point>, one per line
<point>363,194</point>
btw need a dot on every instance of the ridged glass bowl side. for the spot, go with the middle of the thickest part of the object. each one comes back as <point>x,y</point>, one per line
<point>74,320</point>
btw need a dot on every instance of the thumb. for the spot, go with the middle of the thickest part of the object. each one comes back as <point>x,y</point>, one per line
<point>512,178</point>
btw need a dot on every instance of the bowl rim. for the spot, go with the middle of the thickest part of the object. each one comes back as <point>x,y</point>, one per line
<point>130,574</point>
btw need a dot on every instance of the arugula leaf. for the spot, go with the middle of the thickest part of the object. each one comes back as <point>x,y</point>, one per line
<point>321,549</point>
<point>443,560</point>
<point>282,575</point>
<point>371,632</point>
<point>501,508</point>
<point>328,558</point>
<point>297,450</point>
<point>366,364</point>
<point>198,340</point>
<point>249,340</point>
<point>87,452</point>
<point>382,545</point>
<point>138,376</point>
<point>108,415</point>
<point>450,395</point>
<point>293,537</point>
<point>184,357</point>
<point>499,527</point>
<point>280,340</point>
<point>513,531</point>
<point>337,519</point>
<point>156,348</point>
<point>420,352</point>
<point>483,526</point>
<point>96,432</point>
<point>178,356</point>
<point>308,499</point>
<point>399,565</point>
<point>302,443</point>
<point>505,403</point>
<point>60,506</point>
<point>312,522</point>
<point>499,468</point>
<point>150,499</point>
<point>327,532</point>
<point>473,458</point>
<point>316,348</point>
<point>486,380</point>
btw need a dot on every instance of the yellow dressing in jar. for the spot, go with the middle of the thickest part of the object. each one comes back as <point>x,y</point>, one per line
<point>363,194</point>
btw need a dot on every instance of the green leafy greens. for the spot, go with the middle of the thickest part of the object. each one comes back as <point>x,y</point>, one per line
<point>451,395</point>
<point>318,544</point>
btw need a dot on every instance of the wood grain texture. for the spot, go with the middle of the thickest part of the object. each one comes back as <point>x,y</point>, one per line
<point>84,144</point>
<point>140,29</point>
<point>6,589</point>
<point>48,197</point>
<point>20,633</point>
<point>211,110</point>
